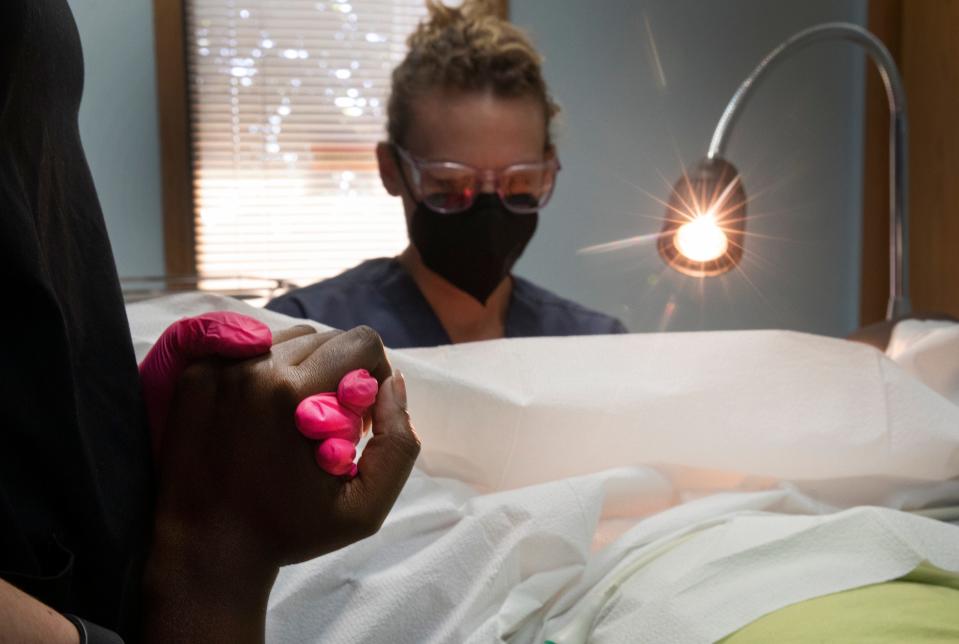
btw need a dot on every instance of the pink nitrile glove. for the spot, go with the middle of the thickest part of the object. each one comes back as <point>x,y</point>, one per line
<point>336,420</point>
<point>219,333</point>
<point>321,416</point>
<point>335,455</point>
<point>358,390</point>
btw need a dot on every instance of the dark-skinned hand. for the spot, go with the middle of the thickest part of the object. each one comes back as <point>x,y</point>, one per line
<point>240,493</point>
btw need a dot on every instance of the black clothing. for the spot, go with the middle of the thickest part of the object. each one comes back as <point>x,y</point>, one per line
<point>75,467</point>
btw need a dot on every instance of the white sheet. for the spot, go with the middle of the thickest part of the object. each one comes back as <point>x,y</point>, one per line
<point>713,411</point>
<point>814,424</point>
<point>761,403</point>
<point>707,580</point>
<point>929,350</point>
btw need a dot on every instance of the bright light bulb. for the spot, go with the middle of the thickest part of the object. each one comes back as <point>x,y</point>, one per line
<point>702,240</point>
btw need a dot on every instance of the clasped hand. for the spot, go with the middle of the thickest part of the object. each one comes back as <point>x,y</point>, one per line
<point>235,475</point>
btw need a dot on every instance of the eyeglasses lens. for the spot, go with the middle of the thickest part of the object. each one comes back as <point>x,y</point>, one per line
<point>526,189</point>
<point>448,189</point>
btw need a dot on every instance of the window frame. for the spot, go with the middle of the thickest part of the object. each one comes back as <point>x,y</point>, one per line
<point>176,156</point>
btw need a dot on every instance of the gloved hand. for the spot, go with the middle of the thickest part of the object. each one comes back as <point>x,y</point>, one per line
<point>235,470</point>
<point>239,493</point>
<point>336,420</point>
<point>219,333</point>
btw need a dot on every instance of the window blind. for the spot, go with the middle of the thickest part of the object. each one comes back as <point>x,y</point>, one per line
<point>288,99</point>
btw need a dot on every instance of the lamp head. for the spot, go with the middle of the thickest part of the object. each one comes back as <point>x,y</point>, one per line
<point>705,220</point>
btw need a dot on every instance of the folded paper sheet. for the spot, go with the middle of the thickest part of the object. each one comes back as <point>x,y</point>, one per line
<point>714,407</point>
<point>929,350</point>
<point>764,403</point>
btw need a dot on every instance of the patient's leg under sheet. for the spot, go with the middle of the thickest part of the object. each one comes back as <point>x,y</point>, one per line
<point>770,404</point>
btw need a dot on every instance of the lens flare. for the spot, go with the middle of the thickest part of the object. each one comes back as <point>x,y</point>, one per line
<point>705,221</point>
<point>702,240</point>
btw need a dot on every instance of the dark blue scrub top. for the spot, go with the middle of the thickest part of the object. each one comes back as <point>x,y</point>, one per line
<point>381,294</point>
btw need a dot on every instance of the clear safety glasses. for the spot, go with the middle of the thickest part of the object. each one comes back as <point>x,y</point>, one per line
<point>448,187</point>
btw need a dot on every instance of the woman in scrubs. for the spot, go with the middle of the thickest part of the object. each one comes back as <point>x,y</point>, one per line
<point>470,154</point>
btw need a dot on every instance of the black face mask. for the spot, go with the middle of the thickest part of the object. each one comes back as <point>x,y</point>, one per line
<point>474,249</point>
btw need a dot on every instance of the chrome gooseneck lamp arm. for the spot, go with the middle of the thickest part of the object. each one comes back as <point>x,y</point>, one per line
<point>898,181</point>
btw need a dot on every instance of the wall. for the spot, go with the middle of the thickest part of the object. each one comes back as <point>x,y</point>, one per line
<point>118,125</point>
<point>628,124</point>
<point>626,127</point>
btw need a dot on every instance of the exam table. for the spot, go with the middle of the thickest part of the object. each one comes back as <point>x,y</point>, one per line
<point>642,488</point>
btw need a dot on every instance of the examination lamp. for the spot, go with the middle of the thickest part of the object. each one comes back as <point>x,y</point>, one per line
<point>704,230</point>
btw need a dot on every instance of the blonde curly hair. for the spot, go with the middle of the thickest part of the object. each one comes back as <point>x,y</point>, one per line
<point>468,49</point>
